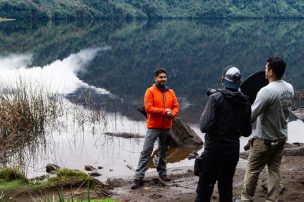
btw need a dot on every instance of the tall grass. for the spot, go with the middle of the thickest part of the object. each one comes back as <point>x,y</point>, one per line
<point>24,111</point>
<point>86,111</point>
<point>10,174</point>
<point>29,110</point>
<point>66,174</point>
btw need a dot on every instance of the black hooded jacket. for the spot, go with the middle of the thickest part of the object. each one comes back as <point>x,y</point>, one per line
<point>226,117</point>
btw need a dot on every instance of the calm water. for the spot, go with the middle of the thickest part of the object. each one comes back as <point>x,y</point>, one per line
<point>114,61</point>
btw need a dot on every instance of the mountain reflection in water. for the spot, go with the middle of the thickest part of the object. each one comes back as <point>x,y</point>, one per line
<point>109,65</point>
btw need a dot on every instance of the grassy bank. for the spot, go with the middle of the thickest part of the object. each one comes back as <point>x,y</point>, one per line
<point>62,186</point>
<point>28,112</point>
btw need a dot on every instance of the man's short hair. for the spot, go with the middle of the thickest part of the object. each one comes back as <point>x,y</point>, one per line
<point>277,65</point>
<point>159,71</point>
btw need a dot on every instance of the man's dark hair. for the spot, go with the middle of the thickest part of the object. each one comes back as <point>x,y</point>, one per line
<point>277,65</point>
<point>159,71</point>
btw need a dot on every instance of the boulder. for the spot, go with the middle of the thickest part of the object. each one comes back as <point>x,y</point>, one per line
<point>51,168</point>
<point>95,174</point>
<point>116,182</point>
<point>89,168</point>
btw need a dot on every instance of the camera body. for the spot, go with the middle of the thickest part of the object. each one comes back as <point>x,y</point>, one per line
<point>210,91</point>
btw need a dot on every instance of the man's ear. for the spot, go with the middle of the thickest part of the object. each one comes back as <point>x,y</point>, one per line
<point>270,72</point>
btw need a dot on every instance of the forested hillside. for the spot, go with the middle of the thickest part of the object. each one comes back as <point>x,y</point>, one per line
<point>88,9</point>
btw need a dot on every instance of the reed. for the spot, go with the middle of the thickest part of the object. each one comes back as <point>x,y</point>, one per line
<point>24,111</point>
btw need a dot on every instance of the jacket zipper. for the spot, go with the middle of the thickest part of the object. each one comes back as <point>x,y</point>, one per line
<point>164,101</point>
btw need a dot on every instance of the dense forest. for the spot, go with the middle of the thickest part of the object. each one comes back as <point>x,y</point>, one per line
<point>193,51</point>
<point>89,9</point>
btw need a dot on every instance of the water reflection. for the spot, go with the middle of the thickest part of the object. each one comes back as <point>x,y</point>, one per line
<point>295,131</point>
<point>59,76</point>
<point>75,147</point>
<point>193,51</point>
<point>112,63</point>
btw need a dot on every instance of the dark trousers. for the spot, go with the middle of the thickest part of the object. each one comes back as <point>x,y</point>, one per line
<point>213,170</point>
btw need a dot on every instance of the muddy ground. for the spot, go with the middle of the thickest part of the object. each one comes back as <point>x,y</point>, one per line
<point>183,185</point>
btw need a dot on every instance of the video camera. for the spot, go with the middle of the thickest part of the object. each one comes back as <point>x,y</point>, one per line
<point>210,91</point>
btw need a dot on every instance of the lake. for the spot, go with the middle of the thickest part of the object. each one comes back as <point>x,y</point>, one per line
<point>112,64</point>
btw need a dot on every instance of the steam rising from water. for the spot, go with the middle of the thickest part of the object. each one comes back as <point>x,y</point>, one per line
<point>59,77</point>
<point>14,61</point>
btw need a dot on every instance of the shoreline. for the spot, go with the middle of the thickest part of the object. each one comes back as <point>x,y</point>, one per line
<point>183,184</point>
<point>181,188</point>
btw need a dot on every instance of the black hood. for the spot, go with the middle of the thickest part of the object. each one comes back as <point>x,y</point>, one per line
<point>235,97</point>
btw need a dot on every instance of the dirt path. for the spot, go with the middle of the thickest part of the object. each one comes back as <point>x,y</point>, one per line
<point>183,185</point>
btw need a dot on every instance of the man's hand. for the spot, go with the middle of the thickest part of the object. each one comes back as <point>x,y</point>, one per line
<point>169,113</point>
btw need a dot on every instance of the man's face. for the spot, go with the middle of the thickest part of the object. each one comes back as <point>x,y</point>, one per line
<point>161,79</point>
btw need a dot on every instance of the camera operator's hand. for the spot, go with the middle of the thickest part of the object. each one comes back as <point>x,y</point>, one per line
<point>249,144</point>
<point>169,113</point>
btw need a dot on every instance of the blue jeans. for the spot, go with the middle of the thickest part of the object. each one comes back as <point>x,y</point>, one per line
<point>151,136</point>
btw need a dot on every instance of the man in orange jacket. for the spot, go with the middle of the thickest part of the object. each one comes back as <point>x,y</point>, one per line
<point>161,106</point>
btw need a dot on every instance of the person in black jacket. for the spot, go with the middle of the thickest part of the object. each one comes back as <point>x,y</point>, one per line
<point>226,117</point>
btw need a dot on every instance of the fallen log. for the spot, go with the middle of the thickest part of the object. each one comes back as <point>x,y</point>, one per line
<point>174,154</point>
<point>183,142</point>
<point>289,150</point>
<point>298,113</point>
<point>124,135</point>
<point>295,151</point>
<point>182,134</point>
<point>293,145</point>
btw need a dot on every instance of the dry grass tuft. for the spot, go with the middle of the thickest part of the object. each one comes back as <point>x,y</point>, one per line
<point>24,111</point>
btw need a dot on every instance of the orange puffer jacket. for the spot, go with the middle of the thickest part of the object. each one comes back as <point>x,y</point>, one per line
<point>156,103</point>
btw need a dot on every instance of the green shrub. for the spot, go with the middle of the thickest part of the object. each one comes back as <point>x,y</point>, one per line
<point>10,174</point>
<point>66,174</point>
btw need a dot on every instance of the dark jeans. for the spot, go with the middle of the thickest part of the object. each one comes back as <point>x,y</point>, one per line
<point>213,170</point>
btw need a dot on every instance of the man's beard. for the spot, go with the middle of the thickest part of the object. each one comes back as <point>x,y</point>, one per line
<point>161,83</point>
